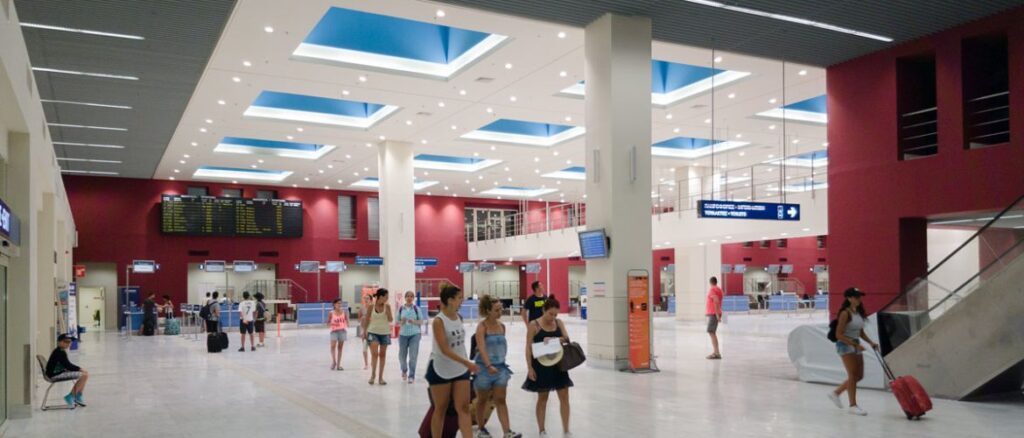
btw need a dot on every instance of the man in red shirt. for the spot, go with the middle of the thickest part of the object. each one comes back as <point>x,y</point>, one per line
<point>713,311</point>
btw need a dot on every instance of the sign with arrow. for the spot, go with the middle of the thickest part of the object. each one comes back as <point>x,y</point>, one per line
<point>748,210</point>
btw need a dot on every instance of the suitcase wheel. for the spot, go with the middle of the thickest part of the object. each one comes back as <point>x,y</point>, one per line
<point>909,415</point>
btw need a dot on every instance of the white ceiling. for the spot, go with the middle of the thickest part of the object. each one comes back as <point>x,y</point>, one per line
<point>537,55</point>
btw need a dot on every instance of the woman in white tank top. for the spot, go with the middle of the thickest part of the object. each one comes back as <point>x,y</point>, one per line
<point>849,332</point>
<point>449,368</point>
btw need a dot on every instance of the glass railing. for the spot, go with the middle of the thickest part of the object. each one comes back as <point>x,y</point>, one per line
<point>995,246</point>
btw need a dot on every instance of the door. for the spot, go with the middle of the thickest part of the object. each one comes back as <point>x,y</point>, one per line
<point>90,307</point>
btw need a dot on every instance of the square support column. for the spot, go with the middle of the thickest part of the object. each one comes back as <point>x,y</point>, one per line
<point>695,265</point>
<point>618,186</point>
<point>397,220</point>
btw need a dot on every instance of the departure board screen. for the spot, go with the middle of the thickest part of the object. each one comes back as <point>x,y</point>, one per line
<point>212,216</point>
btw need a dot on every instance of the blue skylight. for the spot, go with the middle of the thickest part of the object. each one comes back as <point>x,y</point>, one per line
<point>517,192</point>
<point>372,182</point>
<point>690,147</point>
<point>447,162</point>
<point>813,110</point>
<point>319,110</point>
<point>578,173</point>
<point>240,145</point>
<point>357,38</point>
<point>525,132</point>
<point>219,172</point>
<point>672,82</point>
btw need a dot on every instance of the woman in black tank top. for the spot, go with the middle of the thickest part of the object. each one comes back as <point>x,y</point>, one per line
<point>544,379</point>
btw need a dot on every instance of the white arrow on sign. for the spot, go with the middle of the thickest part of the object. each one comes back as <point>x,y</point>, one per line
<point>792,212</point>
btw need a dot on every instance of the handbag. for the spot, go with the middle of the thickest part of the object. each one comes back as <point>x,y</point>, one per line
<point>572,356</point>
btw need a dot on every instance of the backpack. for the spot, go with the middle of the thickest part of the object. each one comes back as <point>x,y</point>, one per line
<point>260,311</point>
<point>832,326</point>
<point>204,312</point>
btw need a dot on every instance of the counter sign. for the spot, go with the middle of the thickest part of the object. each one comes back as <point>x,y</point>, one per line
<point>748,210</point>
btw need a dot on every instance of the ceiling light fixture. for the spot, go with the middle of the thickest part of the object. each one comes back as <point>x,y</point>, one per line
<point>561,35</point>
<point>92,145</point>
<point>209,121</point>
<point>203,130</point>
<point>101,128</point>
<point>563,73</point>
<point>493,147</point>
<point>772,127</point>
<point>221,102</point>
<point>675,130</point>
<point>772,100</point>
<point>440,104</point>
<point>462,92</point>
<point>247,63</point>
<point>290,137</point>
<point>268,29</point>
<point>381,138</point>
<point>300,129</point>
<point>792,19</point>
<point>508,66</point>
<point>707,120</point>
<point>171,178</point>
<point>512,98</point>
<point>439,14</point>
<point>362,78</point>
<point>668,116</point>
<point>345,92</point>
<point>489,110</point>
<point>731,95</point>
<point>408,122</point>
<point>85,73</point>
<point>718,59</point>
<point>88,160</point>
<point>236,79</point>
<point>82,31</point>
<point>99,105</point>
<point>802,73</point>
<point>454,127</point>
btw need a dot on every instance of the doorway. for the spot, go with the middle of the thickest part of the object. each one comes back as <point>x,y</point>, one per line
<point>91,312</point>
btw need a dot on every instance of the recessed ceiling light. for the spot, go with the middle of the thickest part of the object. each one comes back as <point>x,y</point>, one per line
<point>718,59</point>
<point>479,177</point>
<point>177,171</point>
<point>295,185</point>
<point>508,65</point>
<point>568,161</point>
<point>82,31</point>
<point>290,137</point>
<point>536,170</point>
<point>182,161</point>
<point>559,182</point>
<point>568,118</point>
<point>247,63</point>
<point>85,73</point>
<point>563,73</point>
<point>221,102</point>
<point>493,147</point>
<point>366,169</point>
<point>446,188</point>
<point>668,116</point>
<point>512,98</point>
<point>707,120</point>
<point>742,153</point>
<point>268,29</point>
<point>306,178</point>
<point>348,156</point>
<point>362,78</point>
<point>561,34</point>
<point>796,140</point>
<point>802,73</point>
<point>171,178</point>
<point>739,135</point>
<point>209,121</point>
<point>369,145</point>
<point>428,194</point>
<point>195,144</point>
<point>825,144</point>
<point>355,173</point>
<point>339,181</point>
<point>770,156</point>
<point>771,127</point>
<point>472,189</point>
<point>329,166</point>
<point>94,145</point>
<point>300,129</point>
<point>381,138</point>
<point>439,14</point>
<point>506,168</point>
<point>440,104</point>
<point>236,79</point>
<point>773,100</point>
<point>345,92</point>
<point>424,141</point>
<point>187,156</point>
<point>100,105</point>
<point>731,95</point>
<point>509,179</point>
<point>675,130</point>
<point>454,127</point>
<point>252,166</point>
<point>203,130</point>
<point>476,154</point>
<point>408,122</point>
<point>536,159</point>
<point>462,92</point>
<point>489,110</point>
<point>555,153</point>
<point>467,181</point>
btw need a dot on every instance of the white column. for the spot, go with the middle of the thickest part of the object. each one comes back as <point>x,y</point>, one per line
<point>397,223</point>
<point>618,187</point>
<point>695,265</point>
<point>22,281</point>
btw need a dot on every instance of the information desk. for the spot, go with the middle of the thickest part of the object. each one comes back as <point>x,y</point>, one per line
<point>134,319</point>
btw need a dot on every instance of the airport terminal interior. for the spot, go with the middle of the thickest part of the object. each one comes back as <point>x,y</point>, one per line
<point>511,218</point>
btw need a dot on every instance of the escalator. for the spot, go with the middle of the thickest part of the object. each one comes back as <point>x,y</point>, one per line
<point>960,328</point>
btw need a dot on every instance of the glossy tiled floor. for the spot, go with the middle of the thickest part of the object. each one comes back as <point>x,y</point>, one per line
<point>170,387</point>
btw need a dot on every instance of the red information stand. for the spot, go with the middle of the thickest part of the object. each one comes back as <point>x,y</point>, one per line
<point>638,293</point>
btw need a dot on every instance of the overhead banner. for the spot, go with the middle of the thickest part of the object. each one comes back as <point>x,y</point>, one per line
<point>748,210</point>
<point>638,283</point>
<point>369,261</point>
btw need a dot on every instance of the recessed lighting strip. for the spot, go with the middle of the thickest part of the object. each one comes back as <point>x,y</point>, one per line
<point>85,73</point>
<point>98,105</point>
<point>83,31</point>
<point>101,128</point>
<point>88,172</point>
<point>91,145</point>
<point>792,19</point>
<point>88,160</point>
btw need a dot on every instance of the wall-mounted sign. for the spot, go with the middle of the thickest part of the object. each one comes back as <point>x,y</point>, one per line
<point>532,268</point>
<point>9,225</point>
<point>748,210</point>
<point>308,266</point>
<point>79,271</point>
<point>465,267</point>
<point>336,266</point>
<point>144,266</point>
<point>369,261</point>
<point>213,266</point>
<point>426,261</point>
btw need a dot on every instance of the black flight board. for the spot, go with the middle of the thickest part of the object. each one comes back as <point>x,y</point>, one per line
<point>212,216</point>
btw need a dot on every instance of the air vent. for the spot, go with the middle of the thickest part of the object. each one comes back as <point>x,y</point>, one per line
<point>424,114</point>
<point>748,259</point>
<point>666,258</point>
<point>699,105</point>
<point>198,252</point>
<point>783,259</point>
<point>346,254</point>
<point>821,260</point>
<point>484,80</point>
<point>268,253</point>
<point>574,259</point>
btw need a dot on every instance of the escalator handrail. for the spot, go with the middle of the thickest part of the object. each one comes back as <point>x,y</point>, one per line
<point>976,275</point>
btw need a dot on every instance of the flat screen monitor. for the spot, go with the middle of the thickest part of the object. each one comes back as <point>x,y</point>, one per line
<point>488,267</point>
<point>309,266</point>
<point>772,269</point>
<point>787,269</point>
<point>532,268</point>
<point>466,267</point>
<point>144,266</point>
<point>213,266</point>
<point>244,266</point>
<point>818,269</point>
<point>739,269</point>
<point>593,244</point>
<point>726,269</point>
<point>337,266</point>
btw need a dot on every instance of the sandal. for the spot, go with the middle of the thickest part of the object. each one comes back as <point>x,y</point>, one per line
<point>714,356</point>
<point>371,381</point>
<point>382,383</point>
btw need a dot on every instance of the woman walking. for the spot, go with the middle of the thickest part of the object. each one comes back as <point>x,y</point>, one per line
<point>338,320</point>
<point>492,382</point>
<point>544,378</point>
<point>377,326</point>
<point>409,337</point>
<point>449,369</point>
<point>849,332</point>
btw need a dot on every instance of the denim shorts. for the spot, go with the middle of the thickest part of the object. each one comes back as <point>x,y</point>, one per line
<point>380,339</point>
<point>843,349</point>
<point>339,335</point>
<point>485,381</point>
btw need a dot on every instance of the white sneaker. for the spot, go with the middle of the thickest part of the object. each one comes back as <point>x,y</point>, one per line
<point>513,434</point>
<point>835,399</point>
<point>856,410</point>
<point>544,434</point>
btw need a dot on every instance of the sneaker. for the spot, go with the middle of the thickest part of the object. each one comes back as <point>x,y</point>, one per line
<point>405,376</point>
<point>856,410</point>
<point>543,434</point>
<point>512,434</point>
<point>835,399</point>
<point>483,433</point>
<point>70,399</point>
<point>252,348</point>
<point>241,350</point>
<point>412,380</point>
<point>79,401</point>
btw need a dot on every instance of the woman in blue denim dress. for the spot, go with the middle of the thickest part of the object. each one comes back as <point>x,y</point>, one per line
<point>491,383</point>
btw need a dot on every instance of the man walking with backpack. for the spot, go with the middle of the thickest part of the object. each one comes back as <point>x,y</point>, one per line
<point>409,336</point>
<point>247,319</point>
<point>211,313</point>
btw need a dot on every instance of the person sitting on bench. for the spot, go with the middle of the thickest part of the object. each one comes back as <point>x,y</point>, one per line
<point>59,367</point>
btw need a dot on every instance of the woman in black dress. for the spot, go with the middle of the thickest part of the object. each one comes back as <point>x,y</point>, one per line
<point>542,378</point>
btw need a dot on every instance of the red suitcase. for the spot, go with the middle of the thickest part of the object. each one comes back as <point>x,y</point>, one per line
<point>908,391</point>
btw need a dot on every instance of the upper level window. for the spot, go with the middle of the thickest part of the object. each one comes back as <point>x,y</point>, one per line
<point>198,191</point>
<point>917,106</point>
<point>266,194</point>
<point>232,193</point>
<point>986,91</point>
<point>346,217</point>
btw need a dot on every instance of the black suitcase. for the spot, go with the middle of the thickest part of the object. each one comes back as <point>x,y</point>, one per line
<point>213,344</point>
<point>223,337</point>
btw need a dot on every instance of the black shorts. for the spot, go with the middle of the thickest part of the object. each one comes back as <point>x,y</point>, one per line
<point>712,323</point>
<point>434,379</point>
<point>260,327</point>
<point>245,327</point>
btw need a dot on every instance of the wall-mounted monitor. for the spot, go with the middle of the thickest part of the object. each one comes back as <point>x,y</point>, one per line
<point>244,266</point>
<point>144,266</point>
<point>773,269</point>
<point>593,244</point>
<point>488,267</point>
<point>739,269</point>
<point>818,269</point>
<point>336,266</point>
<point>787,269</point>
<point>213,266</point>
<point>465,267</point>
<point>308,266</point>
<point>532,268</point>
<point>727,269</point>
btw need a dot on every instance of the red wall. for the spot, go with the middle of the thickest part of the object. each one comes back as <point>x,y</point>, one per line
<point>876,202</point>
<point>118,220</point>
<point>802,252</point>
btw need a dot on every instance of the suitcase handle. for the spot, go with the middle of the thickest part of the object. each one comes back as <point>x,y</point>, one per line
<point>885,367</point>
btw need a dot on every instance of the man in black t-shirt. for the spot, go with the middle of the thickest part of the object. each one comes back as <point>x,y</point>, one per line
<point>149,315</point>
<point>534,306</point>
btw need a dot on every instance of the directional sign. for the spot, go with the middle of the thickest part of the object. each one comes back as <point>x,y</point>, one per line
<point>426,261</point>
<point>748,210</point>
<point>369,261</point>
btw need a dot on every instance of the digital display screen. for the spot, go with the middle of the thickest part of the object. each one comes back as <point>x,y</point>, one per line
<point>593,244</point>
<point>244,266</point>
<point>532,268</point>
<point>309,266</point>
<point>787,269</point>
<point>488,267</point>
<point>336,267</point>
<point>772,269</point>
<point>143,266</point>
<point>211,216</point>
<point>466,267</point>
<point>213,266</point>
<point>739,269</point>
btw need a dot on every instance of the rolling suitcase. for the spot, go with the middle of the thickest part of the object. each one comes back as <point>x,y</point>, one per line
<point>223,338</point>
<point>213,343</point>
<point>172,327</point>
<point>908,391</point>
<point>451,422</point>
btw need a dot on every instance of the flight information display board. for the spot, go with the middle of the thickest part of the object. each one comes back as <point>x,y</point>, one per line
<point>210,216</point>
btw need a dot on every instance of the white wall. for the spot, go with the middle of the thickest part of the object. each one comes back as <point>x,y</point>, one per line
<point>199,281</point>
<point>956,271</point>
<point>103,275</point>
<point>480,280</point>
<point>355,277</point>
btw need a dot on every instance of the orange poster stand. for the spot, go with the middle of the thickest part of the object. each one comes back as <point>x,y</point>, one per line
<point>638,293</point>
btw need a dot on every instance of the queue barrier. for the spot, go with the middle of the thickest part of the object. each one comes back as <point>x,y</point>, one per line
<point>735,303</point>
<point>784,302</point>
<point>470,309</point>
<point>315,313</point>
<point>228,315</point>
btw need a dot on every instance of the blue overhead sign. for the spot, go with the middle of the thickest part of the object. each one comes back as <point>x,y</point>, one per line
<point>426,261</point>
<point>748,210</point>
<point>369,261</point>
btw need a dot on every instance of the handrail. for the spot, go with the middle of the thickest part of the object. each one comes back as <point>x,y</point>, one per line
<point>956,251</point>
<point>956,291</point>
